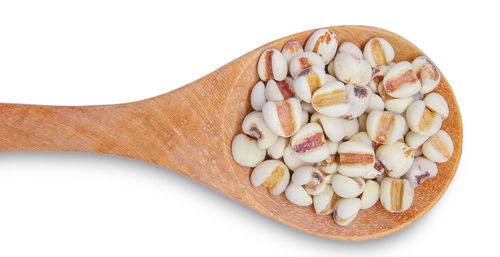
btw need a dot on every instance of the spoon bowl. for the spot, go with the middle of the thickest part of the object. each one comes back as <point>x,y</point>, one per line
<point>189,130</point>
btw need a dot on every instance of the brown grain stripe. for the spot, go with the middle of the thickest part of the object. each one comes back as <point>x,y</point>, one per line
<point>276,176</point>
<point>440,146</point>
<point>285,116</point>
<point>384,127</point>
<point>396,82</point>
<point>330,98</point>
<point>292,46</point>
<point>269,64</point>
<point>425,123</point>
<point>310,143</point>
<point>285,89</point>
<point>397,192</point>
<point>325,38</point>
<point>356,159</point>
<point>304,63</point>
<point>313,81</point>
<point>378,52</point>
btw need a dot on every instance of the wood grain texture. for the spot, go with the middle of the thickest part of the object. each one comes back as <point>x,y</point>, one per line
<point>190,130</point>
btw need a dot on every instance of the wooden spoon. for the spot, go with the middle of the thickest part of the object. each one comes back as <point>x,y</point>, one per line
<point>190,130</point>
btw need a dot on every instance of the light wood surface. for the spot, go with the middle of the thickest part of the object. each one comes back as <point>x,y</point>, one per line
<point>189,130</point>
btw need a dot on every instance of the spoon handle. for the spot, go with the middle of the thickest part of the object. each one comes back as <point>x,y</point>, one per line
<point>180,130</point>
<point>98,129</point>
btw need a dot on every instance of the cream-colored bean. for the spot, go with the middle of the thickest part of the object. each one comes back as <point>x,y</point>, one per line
<point>278,148</point>
<point>291,49</point>
<point>330,69</point>
<point>331,100</point>
<point>346,48</point>
<point>439,147</point>
<point>358,98</point>
<point>307,107</point>
<point>422,120</point>
<point>305,175</point>
<point>362,122</point>
<point>258,96</point>
<point>329,165</point>
<point>351,127</point>
<point>273,175</point>
<point>308,82</point>
<point>385,127</point>
<point>377,170</point>
<point>421,170</point>
<point>396,195</point>
<point>246,152</point>
<point>346,210</point>
<point>309,143</point>
<point>324,43</point>
<point>350,69</point>
<point>436,103</point>
<point>355,158</point>
<point>279,90</point>
<point>298,195</point>
<point>333,127</point>
<point>347,187</point>
<point>401,81</point>
<point>427,73</point>
<point>392,104</point>
<point>305,117</point>
<point>311,179</point>
<point>291,160</point>
<point>283,118</point>
<point>378,51</point>
<point>255,126</point>
<point>414,140</point>
<point>396,158</point>
<point>375,103</point>
<point>370,195</point>
<point>378,74</point>
<point>324,202</point>
<point>305,61</point>
<point>272,65</point>
<point>352,49</point>
<point>398,105</point>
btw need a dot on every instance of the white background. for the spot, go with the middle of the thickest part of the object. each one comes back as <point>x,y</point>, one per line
<point>104,52</point>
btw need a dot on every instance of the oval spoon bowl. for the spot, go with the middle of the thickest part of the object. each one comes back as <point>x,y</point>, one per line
<point>371,223</point>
